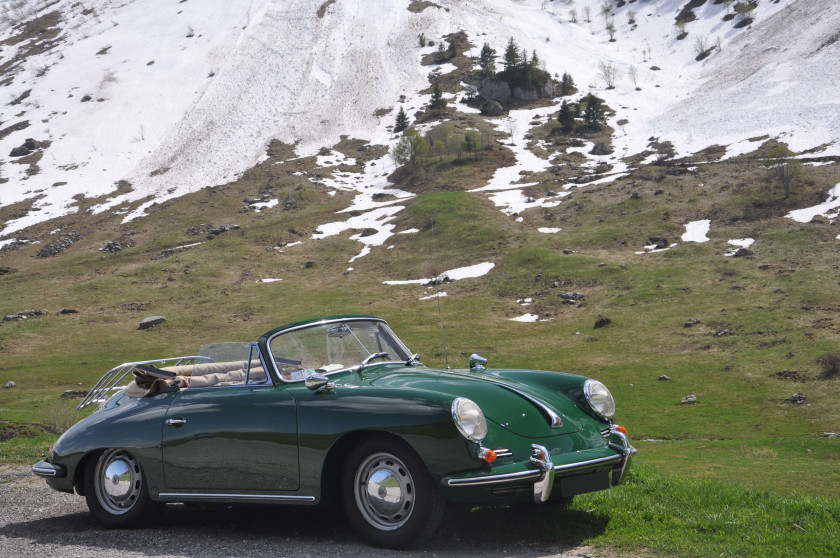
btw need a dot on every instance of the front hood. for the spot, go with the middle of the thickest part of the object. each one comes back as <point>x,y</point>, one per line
<point>517,400</point>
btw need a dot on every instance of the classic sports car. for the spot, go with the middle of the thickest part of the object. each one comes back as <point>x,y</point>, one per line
<point>336,410</point>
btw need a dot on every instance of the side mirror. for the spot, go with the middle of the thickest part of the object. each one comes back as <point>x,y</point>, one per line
<point>477,362</point>
<point>316,381</point>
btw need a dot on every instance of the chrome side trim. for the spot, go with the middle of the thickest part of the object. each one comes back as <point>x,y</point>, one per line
<point>243,497</point>
<point>554,419</point>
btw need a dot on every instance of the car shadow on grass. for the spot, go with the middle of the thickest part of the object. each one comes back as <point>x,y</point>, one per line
<point>217,530</point>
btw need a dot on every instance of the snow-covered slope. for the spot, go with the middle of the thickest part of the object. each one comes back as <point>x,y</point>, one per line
<point>187,94</point>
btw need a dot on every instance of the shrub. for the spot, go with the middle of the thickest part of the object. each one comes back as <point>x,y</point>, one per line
<point>830,365</point>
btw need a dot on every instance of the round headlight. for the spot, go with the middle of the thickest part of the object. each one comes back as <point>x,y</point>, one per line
<point>469,419</point>
<point>599,398</point>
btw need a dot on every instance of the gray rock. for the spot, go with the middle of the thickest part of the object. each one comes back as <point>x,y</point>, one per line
<point>73,394</point>
<point>10,384</point>
<point>601,148</point>
<point>602,321</point>
<point>495,89</point>
<point>492,108</point>
<point>571,296</point>
<point>4,270</point>
<point>25,314</point>
<point>797,398</point>
<point>19,151</point>
<point>69,311</point>
<point>689,400</point>
<point>151,321</point>
<point>692,322</point>
<point>831,434</point>
<point>663,378</point>
<point>741,252</point>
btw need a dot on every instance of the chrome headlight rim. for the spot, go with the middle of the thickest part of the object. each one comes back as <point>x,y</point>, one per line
<point>599,399</point>
<point>465,408</point>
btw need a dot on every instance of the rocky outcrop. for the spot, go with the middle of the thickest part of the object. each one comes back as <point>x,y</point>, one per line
<point>494,89</point>
<point>58,245</point>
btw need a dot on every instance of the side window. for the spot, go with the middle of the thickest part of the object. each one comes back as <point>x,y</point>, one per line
<point>256,374</point>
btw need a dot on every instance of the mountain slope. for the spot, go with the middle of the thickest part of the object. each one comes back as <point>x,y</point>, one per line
<point>184,95</point>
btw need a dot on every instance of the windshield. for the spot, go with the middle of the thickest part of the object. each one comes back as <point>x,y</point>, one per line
<point>333,346</point>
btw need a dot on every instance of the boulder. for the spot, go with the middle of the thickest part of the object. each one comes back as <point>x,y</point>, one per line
<point>741,252</point>
<point>689,400</point>
<point>602,321</point>
<point>151,321</point>
<point>601,148</point>
<point>19,151</point>
<point>10,384</point>
<point>492,108</point>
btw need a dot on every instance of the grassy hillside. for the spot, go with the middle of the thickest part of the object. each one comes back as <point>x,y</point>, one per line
<point>757,316</point>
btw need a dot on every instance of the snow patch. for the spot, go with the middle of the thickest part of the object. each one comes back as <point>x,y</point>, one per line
<point>526,318</point>
<point>696,231</point>
<point>825,209</point>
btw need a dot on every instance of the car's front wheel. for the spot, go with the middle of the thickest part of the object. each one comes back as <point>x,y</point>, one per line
<point>116,491</point>
<point>388,494</point>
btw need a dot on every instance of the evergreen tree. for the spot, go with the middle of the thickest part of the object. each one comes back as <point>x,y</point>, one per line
<point>535,61</point>
<point>487,60</point>
<point>438,103</point>
<point>511,57</point>
<point>402,121</point>
<point>566,118</point>
<point>595,113</point>
<point>567,84</point>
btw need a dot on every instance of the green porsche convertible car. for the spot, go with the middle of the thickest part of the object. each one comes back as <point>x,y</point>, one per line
<point>335,409</point>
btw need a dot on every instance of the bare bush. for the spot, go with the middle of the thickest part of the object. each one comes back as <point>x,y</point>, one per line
<point>608,73</point>
<point>60,416</point>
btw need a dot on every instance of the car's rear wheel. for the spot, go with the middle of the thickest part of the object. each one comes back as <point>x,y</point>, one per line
<point>116,491</point>
<point>388,494</point>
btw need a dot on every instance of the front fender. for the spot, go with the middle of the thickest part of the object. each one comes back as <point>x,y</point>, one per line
<point>421,419</point>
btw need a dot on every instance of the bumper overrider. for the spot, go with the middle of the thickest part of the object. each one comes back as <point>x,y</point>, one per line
<point>543,470</point>
<point>48,470</point>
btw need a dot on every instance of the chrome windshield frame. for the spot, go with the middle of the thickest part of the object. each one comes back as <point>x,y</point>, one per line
<point>392,338</point>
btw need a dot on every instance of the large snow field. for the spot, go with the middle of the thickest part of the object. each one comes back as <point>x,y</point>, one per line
<point>191,93</point>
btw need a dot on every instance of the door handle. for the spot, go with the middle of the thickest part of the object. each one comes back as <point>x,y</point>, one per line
<point>175,422</point>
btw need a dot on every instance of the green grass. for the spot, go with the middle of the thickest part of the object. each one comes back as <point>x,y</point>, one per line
<point>661,514</point>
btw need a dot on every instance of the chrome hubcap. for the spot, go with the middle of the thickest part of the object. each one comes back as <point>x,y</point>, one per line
<point>384,491</point>
<point>118,481</point>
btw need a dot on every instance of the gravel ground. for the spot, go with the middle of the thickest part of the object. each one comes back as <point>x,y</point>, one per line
<point>38,521</point>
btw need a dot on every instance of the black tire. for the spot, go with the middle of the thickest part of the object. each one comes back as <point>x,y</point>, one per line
<point>116,491</point>
<point>388,495</point>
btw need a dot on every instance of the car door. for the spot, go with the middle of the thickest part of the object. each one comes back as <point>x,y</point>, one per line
<point>235,437</point>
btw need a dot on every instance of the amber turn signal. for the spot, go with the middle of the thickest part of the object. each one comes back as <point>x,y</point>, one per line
<point>490,456</point>
<point>621,429</point>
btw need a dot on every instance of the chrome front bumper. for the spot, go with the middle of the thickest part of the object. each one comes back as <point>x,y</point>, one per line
<point>545,471</point>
